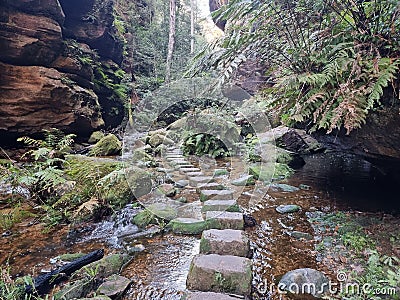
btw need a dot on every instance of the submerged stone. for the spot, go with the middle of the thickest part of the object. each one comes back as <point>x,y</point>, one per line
<point>285,209</point>
<point>302,282</point>
<point>285,187</point>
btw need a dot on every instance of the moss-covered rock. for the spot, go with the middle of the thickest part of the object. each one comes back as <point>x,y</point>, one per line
<point>75,290</point>
<point>108,145</point>
<point>157,139</point>
<point>190,226</point>
<point>270,171</point>
<point>144,218</point>
<point>139,181</point>
<point>107,266</point>
<point>95,137</point>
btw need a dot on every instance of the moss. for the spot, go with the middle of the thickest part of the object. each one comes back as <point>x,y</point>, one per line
<point>95,137</point>
<point>192,228</point>
<point>205,246</point>
<point>220,172</point>
<point>71,256</point>
<point>109,145</point>
<point>144,218</point>
<point>278,170</point>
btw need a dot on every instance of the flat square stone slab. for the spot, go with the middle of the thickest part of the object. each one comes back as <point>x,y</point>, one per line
<point>226,220</point>
<point>196,181</point>
<point>210,186</point>
<point>188,170</point>
<point>188,225</point>
<point>194,174</point>
<point>225,242</point>
<point>220,205</point>
<point>220,273</point>
<point>208,296</point>
<point>216,195</point>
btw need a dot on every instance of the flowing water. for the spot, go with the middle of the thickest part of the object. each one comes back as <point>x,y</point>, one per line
<point>160,270</point>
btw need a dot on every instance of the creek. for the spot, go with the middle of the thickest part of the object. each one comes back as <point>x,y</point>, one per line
<point>335,182</point>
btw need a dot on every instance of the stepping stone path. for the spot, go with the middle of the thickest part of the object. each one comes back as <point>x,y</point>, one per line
<point>222,267</point>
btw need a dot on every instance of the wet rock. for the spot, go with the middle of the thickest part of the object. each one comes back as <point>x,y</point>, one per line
<point>190,225</point>
<point>297,140</point>
<point>221,172</point>
<point>249,221</point>
<point>290,208</point>
<point>70,256</point>
<point>157,139</point>
<point>132,250</point>
<point>199,181</point>
<point>216,195</point>
<point>284,187</point>
<point>107,266</point>
<point>301,235</point>
<point>304,187</point>
<point>210,186</point>
<point>182,183</point>
<point>108,145</point>
<point>220,205</point>
<point>114,286</point>
<point>139,181</point>
<point>100,297</point>
<point>225,220</point>
<point>208,296</point>
<point>225,242</point>
<point>302,282</point>
<point>95,137</point>
<point>220,273</point>
<point>77,289</point>
<point>244,181</point>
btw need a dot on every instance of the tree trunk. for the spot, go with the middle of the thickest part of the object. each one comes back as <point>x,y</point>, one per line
<point>171,39</point>
<point>43,283</point>
<point>192,19</point>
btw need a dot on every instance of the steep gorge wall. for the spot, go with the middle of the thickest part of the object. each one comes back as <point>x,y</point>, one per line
<point>48,66</point>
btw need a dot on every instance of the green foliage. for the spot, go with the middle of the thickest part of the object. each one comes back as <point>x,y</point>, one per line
<point>16,215</point>
<point>203,143</point>
<point>14,289</point>
<point>329,62</point>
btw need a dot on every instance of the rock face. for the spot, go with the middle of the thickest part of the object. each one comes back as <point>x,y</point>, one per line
<point>34,97</point>
<point>47,66</point>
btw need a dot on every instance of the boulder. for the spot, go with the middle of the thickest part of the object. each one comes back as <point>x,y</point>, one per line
<point>220,273</point>
<point>286,209</point>
<point>108,145</point>
<point>114,286</point>
<point>95,137</point>
<point>139,181</point>
<point>157,139</point>
<point>302,282</point>
<point>225,242</point>
<point>107,266</point>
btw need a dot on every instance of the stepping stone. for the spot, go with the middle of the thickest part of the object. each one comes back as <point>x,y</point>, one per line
<point>220,205</point>
<point>188,170</point>
<point>190,225</point>
<point>194,174</point>
<point>226,220</point>
<point>220,273</point>
<point>244,181</point>
<point>208,296</point>
<point>216,195</point>
<point>196,181</point>
<point>181,183</point>
<point>210,186</point>
<point>220,172</point>
<point>174,157</point>
<point>225,242</point>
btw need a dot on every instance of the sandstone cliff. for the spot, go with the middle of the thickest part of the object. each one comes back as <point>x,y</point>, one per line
<point>58,60</point>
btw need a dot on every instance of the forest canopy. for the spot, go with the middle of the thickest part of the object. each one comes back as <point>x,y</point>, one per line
<point>329,63</point>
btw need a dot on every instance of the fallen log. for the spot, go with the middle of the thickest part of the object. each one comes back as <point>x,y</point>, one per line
<point>43,283</point>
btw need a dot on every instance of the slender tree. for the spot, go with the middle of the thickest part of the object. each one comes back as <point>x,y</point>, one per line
<point>171,39</point>
<point>192,20</point>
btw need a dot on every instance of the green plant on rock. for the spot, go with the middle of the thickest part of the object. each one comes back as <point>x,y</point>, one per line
<point>203,143</point>
<point>329,62</point>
